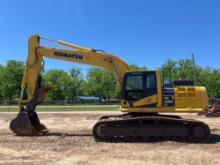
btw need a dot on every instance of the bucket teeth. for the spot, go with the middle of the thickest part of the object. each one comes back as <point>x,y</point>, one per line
<point>27,125</point>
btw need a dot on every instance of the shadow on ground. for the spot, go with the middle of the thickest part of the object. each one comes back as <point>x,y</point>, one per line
<point>213,138</point>
<point>61,134</point>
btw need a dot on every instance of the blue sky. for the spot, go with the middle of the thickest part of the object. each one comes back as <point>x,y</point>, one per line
<point>144,32</point>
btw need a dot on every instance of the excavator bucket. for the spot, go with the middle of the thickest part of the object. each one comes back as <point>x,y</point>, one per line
<point>27,123</point>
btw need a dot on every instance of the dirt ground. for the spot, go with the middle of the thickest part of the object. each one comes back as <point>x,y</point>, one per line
<point>70,142</point>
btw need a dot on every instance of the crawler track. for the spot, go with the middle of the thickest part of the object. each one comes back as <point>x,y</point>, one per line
<point>128,127</point>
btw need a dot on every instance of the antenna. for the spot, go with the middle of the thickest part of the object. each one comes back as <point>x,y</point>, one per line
<point>194,68</point>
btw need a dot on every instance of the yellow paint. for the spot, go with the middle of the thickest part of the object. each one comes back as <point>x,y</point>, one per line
<point>191,97</point>
<point>187,99</point>
<point>162,110</point>
<point>145,101</point>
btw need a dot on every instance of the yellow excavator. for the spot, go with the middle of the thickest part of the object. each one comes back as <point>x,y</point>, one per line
<point>148,105</point>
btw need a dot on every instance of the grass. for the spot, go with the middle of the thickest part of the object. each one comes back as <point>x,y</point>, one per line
<point>65,108</point>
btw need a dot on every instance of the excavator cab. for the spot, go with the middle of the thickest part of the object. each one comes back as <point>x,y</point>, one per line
<point>141,89</point>
<point>139,85</point>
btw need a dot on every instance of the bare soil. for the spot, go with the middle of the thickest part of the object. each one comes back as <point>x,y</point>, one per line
<point>70,142</point>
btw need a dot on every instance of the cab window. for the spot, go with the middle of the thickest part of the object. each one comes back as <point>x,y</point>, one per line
<point>139,85</point>
<point>134,87</point>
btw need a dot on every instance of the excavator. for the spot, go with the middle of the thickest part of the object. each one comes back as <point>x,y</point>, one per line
<point>149,108</point>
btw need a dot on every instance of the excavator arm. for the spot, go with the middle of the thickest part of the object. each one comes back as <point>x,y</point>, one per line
<point>27,122</point>
<point>77,54</point>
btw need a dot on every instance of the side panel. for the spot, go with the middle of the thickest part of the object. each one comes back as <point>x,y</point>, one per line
<point>187,99</point>
<point>190,97</point>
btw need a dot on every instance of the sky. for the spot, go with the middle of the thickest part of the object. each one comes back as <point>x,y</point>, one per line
<point>142,32</point>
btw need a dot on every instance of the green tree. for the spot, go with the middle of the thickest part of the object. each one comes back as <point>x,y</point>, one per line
<point>210,78</point>
<point>1,83</point>
<point>101,83</point>
<point>60,81</point>
<point>169,70</point>
<point>65,86</point>
<point>180,70</point>
<point>11,77</point>
<point>77,83</point>
<point>136,67</point>
<point>76,73</point>
<point>185,69</point>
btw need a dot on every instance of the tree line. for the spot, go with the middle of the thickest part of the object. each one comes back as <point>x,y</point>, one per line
<point>100,83</point>
<point>185,69</point>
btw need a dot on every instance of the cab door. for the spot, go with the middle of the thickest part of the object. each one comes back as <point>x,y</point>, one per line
<point>138,86</point>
